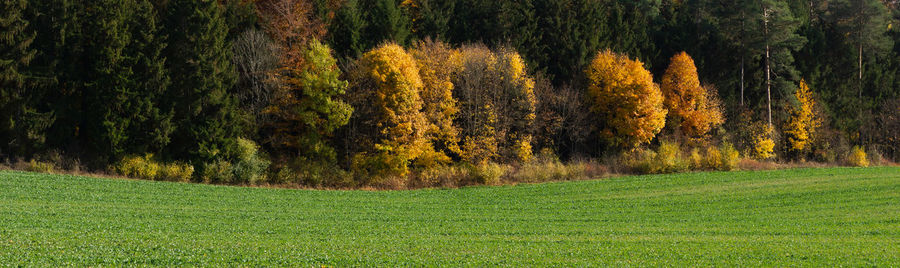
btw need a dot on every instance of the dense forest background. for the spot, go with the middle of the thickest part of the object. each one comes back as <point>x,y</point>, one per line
<point>345,92</point>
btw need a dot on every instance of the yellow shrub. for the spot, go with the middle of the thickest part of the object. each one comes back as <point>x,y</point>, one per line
<point>139,167</point>
<point>176,172</point>
<point>858,157</point>
<point>147,168</point>
<point>488,174</point>
<point>668,159</point>
<point>39,167</point>
<point>713,158</point>
<point>696,159</point>
<point>730,156</point>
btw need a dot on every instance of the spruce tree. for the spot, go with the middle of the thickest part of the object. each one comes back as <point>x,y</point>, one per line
<point>345,32</point>
<point>16,97</point>
<point>199,61</point>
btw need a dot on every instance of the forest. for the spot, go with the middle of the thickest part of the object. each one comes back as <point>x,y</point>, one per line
<point>418,93</point>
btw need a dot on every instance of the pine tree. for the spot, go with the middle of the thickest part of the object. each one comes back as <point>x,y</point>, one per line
<point>202,73</point>
<point>779,40</point>
<point>865,24</point>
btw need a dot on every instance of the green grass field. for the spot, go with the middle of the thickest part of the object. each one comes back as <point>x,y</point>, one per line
<point>806,217</point>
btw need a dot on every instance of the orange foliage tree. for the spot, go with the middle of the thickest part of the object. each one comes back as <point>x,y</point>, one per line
<point>623,95</point>
<point>694,108</point>
<point>292,24</point>
<point>389,126</point>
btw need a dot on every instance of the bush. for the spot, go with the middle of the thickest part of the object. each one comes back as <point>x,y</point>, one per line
<point>250,166</point>
<point>145,167</point>
<point>697,160</point>
<point>176,172</point>
<point>668,159</point>
<point>542,171</point>
<point>139,167</point>
<point>762,144</point>
<point>488,173</point>
<point>857,157</point>
<point>730,156</point>
<point>39,167</point>
<point>638,160</point>
<point>712,159</point>
<point>218,171</point>
<point>444,176</point>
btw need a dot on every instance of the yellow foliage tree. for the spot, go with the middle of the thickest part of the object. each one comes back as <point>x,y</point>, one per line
<point>497,105</point>
<point>437,63</point>
<point>623,94</point>
<point>389,123</point>
<point>803,122</point>
<point>695,108</point>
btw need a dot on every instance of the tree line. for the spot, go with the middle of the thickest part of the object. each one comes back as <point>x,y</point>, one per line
<point>347,92</point>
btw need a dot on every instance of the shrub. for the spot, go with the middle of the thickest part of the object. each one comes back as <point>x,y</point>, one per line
<point>139,167</point>
<point>858,157</point>
<point>488,173</point>
<point>712,159</point>
<point>218,171</point>
<point>250,166</point>
<point>668,159</point>
<point>730,156</point>
<point>542,171</point>
<point>638,160</point>
<point>146,167</point>
<point>444,176</point>
<point>39,167</point>
<point>696,159</point>
<point>176,172</point>
<point>762,144</point>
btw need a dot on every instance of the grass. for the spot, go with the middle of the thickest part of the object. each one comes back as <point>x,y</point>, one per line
<point>796,217</point>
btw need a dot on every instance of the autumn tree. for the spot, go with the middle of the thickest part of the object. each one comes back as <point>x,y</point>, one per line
<point>803,122</point>
<point>497,105</point>
<point>292,24</point>
<point>387,130</point>
<point>693,109</point>
<point>629,105</point>
<point>438,63</point>
<point>308,108</point>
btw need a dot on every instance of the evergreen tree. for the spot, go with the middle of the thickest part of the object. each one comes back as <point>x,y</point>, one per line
<point>386,23</point>
<point>431,18</point>
<point>345,32</point>
<point>123,81</point>
<point>21,125</point>
<point>779,37</point>
<point>202,73</point>
<point>865,24</point>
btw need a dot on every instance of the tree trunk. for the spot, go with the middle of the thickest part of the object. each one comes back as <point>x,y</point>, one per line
<point>768,65</point>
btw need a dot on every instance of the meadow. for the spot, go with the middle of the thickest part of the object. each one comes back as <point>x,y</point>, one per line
<point>793,217</point>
